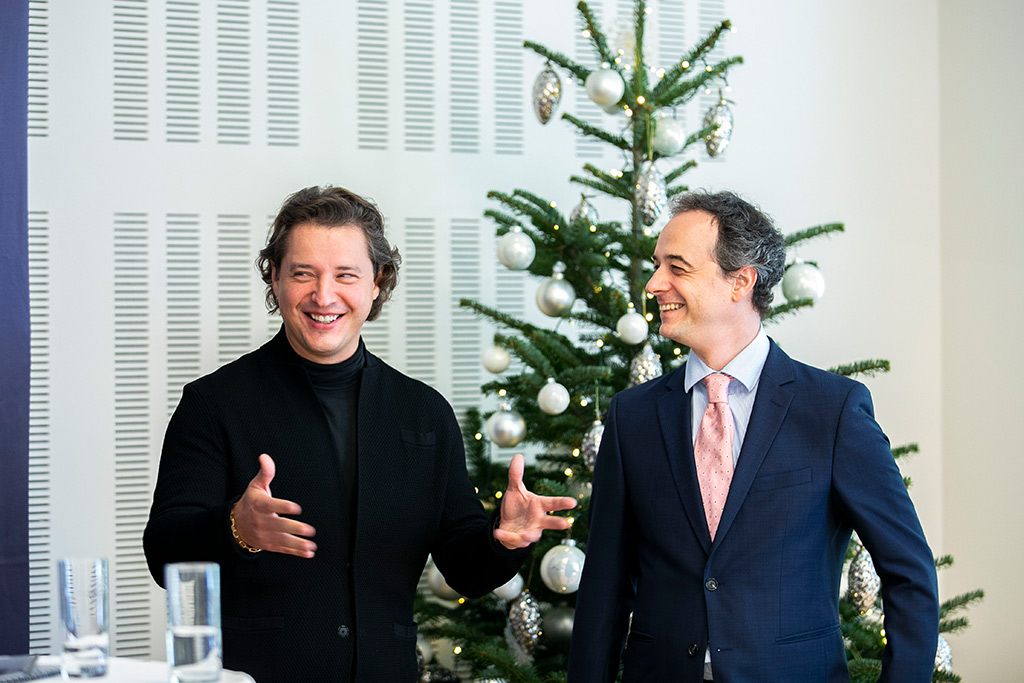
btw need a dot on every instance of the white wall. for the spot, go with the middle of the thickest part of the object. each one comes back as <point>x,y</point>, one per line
<point>982,64</point>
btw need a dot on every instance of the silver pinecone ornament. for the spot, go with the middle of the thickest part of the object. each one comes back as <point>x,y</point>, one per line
<point>584,210</point>
<point>650,192</point>
<point>547,92</point>
<point>524,621</point>
<point>719,116</point>
<point>645,366</point>
<point>863,582</point>
<point>944,657</point>
<point>592,443</point>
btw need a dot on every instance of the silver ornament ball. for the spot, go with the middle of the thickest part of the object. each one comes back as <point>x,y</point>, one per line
<point>592,444</point>
<point>645,366</point>
<point>555,296</point>
<point>553,398</point>
<point>525,622</point>
<point>669,136</point>
<point>510,589</point>
<point>632,328</point>
<point>719,116</point>
<point>495,359</point>
<point>605,87</point>
<point>562,567</point>
<point>862,582</point>
<point>558,624</point>
<point>506,427</point>
<point>547,92</point>
<point>440,587</point>
<point>650,192</point>
<point>803,281</point>
<point>515,249</point>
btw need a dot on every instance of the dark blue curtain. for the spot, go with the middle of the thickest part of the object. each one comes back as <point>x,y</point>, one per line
<point>14,327</point>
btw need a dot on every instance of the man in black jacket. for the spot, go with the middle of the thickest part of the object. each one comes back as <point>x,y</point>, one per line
<point>320,478</point>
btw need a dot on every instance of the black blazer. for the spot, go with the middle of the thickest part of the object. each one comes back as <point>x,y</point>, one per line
<point>814,466</point>
<point>281,614</point>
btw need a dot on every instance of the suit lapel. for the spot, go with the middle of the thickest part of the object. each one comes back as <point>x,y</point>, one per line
<point>770,408</point>
<point>674,408</point>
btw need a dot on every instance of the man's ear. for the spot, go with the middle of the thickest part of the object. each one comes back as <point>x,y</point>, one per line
<point>743,281</point>
<point>274,279</point>
<point>376,283</point>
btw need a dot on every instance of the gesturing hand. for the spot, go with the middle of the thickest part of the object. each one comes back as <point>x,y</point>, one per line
<point>258,518</point>
<point>524,515</point>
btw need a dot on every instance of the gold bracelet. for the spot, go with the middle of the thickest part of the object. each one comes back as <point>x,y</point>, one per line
<point>238,539</point>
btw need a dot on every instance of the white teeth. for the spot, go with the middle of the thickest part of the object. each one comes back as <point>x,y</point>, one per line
<point>324,318</point>
<point>669,307</point>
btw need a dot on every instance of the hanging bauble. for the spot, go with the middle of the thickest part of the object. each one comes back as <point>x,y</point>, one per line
<point>650,192</point>
<point>669,136</point>
<point>584,210</point>
<point>424,650</point>
<point>495,359</point>
<point>506,427</point>
<point>862,582</point>
<point>632,328</point>
<point>553,398</point>
<point>524,620</point>
<point>943,656</point>
<point>562,567</point>
<point>605,87</point>
<point>489,680</point>
<point>719,116</point>
<point>558,624</point>
<point>510,589</point>
<point>547,91</point>
<point>555,296</point>
<point>645,366</point>
<point>515,249</point>
<point>803,280</point>
<point>592,444</point>
<point>440,587</point>
<point>435,673</point>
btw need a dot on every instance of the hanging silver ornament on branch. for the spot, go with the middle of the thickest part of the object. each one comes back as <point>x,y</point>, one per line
<point>558,624</point>
<point>605,87</point>
<point>555,296</point>
<point>669,136</point>
<point>515,249</point>
<point>553,398</point>
<point>592,444</point>
<point>547,93</point>
<point>650,192</point>
<point>584,210</point>
<point>632,328</point>
<point>645,366</point>
<point>802,280</point>
<point>944,656</point>
<point>562,566</point>
<point>495,359</point>
<point>719,116</point>
<point>524,625</point>
<point>863,583</point>
<point>505,427</point>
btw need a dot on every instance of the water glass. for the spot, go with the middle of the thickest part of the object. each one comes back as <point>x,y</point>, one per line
<point>84,616</point>
<point>193,621</point>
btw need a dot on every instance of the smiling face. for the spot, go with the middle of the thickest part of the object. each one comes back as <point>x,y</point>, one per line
<point>325,287</point>
<point>701,306</point>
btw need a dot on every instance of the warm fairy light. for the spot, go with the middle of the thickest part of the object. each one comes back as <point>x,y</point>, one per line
<point>677,351</point>
<point>732,29</point>
<point>649,317</point>
<point>575,452</point>
<point>554,204</point>
<point>707,91</point>
<point>728,88</point>
<point>497,494</point>
<point>478,436</point>
<point>607,254</point>
<point>618,60</point>
<point>598,288</point>
<point>708,68</point>
<point>584,402</point>
<point>615,172</point>
<point>461,601</point>
<point>457,650</point>
<point>600,343</point>
<point>586,33</point>
<point>640,99</point>
<point>593,228</point>
<point>630,305</point>
<point>554,227</point>
<point>686,65</point>
<point>622,52</point>
<point>571,520</point>
<point>647,232</point>
<point>661,73</point>
<point>476,490</point>
<point>501,392</point>
<point>629,112</point>
<point>568,471</point>
<point>647,10</point>
<point>605,65</point>
<point>649,295</point>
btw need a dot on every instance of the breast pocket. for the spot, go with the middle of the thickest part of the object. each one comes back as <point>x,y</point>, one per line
<point>779,480</point>
<point>413,438</point>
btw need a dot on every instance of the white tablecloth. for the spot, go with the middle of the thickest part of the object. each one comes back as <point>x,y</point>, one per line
<point>134,671</point>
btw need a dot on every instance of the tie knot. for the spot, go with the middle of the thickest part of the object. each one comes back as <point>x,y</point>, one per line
<point>718,387</point>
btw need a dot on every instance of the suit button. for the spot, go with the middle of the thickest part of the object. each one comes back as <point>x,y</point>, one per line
<point>711,584</point>
<point>693,650</point>
<point>343,631</point>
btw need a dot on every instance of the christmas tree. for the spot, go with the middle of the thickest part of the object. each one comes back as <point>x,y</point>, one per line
<point>593,274</point>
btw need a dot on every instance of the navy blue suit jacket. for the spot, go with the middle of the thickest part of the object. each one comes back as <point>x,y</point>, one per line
<point>814,466</point>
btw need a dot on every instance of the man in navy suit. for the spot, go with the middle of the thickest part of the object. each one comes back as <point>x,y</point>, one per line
<point>741,582</point>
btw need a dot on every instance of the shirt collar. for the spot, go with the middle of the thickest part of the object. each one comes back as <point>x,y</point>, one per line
<point>745,367</point>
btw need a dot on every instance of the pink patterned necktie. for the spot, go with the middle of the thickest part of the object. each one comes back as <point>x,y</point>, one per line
<point>712,452</point>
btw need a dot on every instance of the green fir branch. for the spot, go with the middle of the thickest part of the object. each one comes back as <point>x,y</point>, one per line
<point>864,670</point>
<point>700,136</point>
<point>943,677</point>
<point>531,356</point>
<point>679,170</point>
<point>497,316</point>
<point>597,36</point>
<point>541,218</point>
<point>905,450</point>
<point>943,561</point>
<point>673,191</point>
<point>704,47</point>
<point>788,308</point>
<point>504,220</point>
<point>593,131</point>
<point>579,71</point>
<point>601,187</point>
<point>617,181</point>
<point>816,231</point>
<point>869,368</point>
<point>539,202</point>
<point>685,91</point>
<point>585,376</point>
<point>955,625</point>
<point>960,602</point>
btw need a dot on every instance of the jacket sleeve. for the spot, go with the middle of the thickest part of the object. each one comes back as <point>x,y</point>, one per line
<point>871,491</point>
<point>464,549</point>
<point>189,519</point>
<point>608,587</point>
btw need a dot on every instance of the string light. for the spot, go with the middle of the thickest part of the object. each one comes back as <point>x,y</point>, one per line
<point>678,351</point>
<point>600,343</point>
<point>461,601</point>
<point>457,650</point>
<point>708,68</point>
<point>478,436</point>
<point>593,228</point>
<point>649,317</point>
<point>571,520</point>
<point>554,227</point>
<point>584,402</point>
<point>629,112</point>
<point>568,471</point>
<point>575,452</point>
<point>501,392</point>
<point>586,33</point>
<point>497,494</point>
<point>640,99</point>
<point>554,204</point>
<point>661,73</point>
<point>686,65</point>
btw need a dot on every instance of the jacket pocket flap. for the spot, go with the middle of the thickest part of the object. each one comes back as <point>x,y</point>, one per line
<point>781,480</point>
<point>417,438</point>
